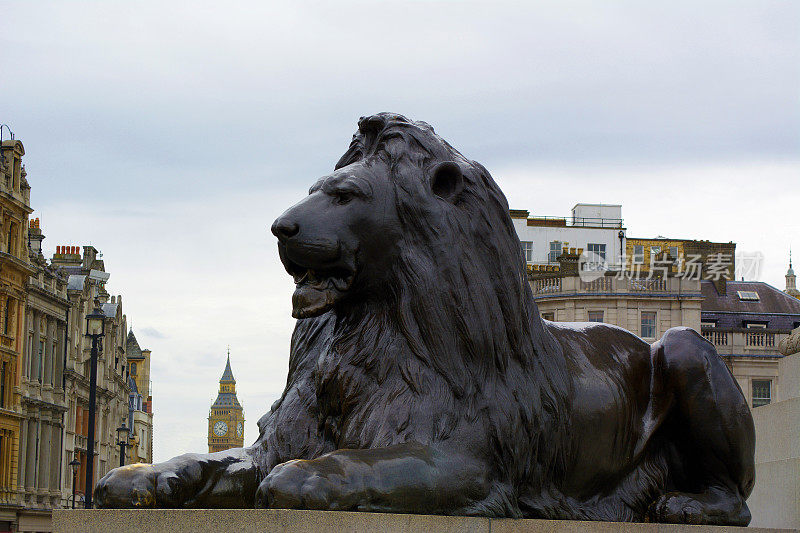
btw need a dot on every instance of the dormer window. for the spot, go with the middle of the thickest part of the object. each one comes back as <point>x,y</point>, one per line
<point>748,296</point>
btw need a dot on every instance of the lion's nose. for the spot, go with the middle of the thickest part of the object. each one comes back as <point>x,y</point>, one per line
<point>283,228</point>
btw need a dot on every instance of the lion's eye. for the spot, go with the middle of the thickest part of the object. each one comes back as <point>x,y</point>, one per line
<point>343,197</point>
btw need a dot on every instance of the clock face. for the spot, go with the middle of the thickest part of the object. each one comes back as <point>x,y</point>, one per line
<point>239,430</point>
<point>220,428</point>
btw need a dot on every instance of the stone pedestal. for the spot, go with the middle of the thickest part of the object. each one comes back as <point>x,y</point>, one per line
<point>775,501</point>
<point>283,521</point>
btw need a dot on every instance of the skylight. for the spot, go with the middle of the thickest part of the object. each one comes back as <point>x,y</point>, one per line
<point>748,296</point>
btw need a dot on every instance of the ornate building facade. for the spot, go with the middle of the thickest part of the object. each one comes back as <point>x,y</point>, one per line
<point>45,363</point>
<point>14,272</point>
<point>44,401</point>
<point>226,416</point>
<point>86,291</point>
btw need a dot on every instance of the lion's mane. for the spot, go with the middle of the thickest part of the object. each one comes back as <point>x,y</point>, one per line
<point>453,351</point>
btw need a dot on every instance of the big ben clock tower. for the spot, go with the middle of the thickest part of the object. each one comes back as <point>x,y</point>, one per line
<point>226,417</point>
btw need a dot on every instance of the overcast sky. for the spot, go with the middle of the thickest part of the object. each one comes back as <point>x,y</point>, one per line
<point>170,135</point>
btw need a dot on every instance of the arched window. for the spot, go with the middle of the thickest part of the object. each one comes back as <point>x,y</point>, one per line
<point>133,369</point>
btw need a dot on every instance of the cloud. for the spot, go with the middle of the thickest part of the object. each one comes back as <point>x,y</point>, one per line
<point>153,332</point>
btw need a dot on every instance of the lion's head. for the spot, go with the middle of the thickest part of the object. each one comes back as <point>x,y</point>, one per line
<point>408,228</point>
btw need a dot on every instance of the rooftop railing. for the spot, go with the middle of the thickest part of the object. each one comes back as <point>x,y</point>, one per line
<point>584,222</point>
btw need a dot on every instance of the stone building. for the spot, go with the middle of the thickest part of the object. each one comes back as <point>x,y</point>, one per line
<point>226,416</point>
<point>44,401</point>
<point>86,291</point>
<point>14,273</point>
<point>645,306</point>
<point>747,322</point>
<point>140,408</point>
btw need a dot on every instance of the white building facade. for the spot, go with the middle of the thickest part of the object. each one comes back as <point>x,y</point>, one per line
<point>596,228</point>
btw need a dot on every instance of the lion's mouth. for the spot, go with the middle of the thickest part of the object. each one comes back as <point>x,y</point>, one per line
<point>317,289</point>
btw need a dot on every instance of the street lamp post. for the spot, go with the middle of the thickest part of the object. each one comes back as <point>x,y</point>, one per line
<point>74,464</point>
<point>122,440</point>
<point>95,328</point>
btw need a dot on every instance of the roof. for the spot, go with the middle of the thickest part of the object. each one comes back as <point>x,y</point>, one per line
<point>132,347</point>
<point>228,374</point>
<point>76,283</point>
<point>226,400</point>
<point>109,309</point>
<point>774,306</point>
<point>132,385</point>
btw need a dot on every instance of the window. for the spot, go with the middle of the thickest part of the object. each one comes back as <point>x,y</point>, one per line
<point>10,242</point>
<point>527,250</point>
<point>673,252</point>
<point>648,324</point>
<point>549,316</point>
<point>595,316</point>
<point>762,392</point>
<point>599,249</point>
<point>638,254</point>
<point>41,359</point>
<point>555,251</point>
<point>655,250</point>
<point>748,296</point>
<point>3,384</point>
<point>7,316</point>
<point>133,369</point>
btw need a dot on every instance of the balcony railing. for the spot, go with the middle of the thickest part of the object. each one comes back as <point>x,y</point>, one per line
<point>743,342</point>
<point>717,338</point>
<point>603,284</point>
<point>546,285</point>
<point>647,285</point>
<point>764,339</point>
<point>552,284</point>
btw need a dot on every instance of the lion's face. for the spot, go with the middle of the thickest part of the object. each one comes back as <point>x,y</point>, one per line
<point>341,239</point>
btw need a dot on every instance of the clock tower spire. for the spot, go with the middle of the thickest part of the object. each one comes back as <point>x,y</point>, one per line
<point>226,416</point>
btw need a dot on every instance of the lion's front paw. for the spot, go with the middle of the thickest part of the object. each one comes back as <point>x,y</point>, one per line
<point>677,508</point>
<point>297,485</point>
<point>143,485</point>
<point>128,486</point>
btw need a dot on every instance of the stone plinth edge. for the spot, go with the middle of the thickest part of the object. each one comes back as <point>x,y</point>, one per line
<point>286,521</point>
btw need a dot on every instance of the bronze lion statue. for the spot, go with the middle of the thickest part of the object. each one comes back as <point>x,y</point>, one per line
<point>423,380</point>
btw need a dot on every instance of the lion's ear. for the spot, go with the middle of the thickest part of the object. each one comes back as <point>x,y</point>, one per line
<point>447,181</point>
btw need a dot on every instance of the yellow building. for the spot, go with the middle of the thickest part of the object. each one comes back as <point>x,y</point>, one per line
<point>14,273</point>
<point>714,260</point>
<point>140,406</point>
<point>226,417</point>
